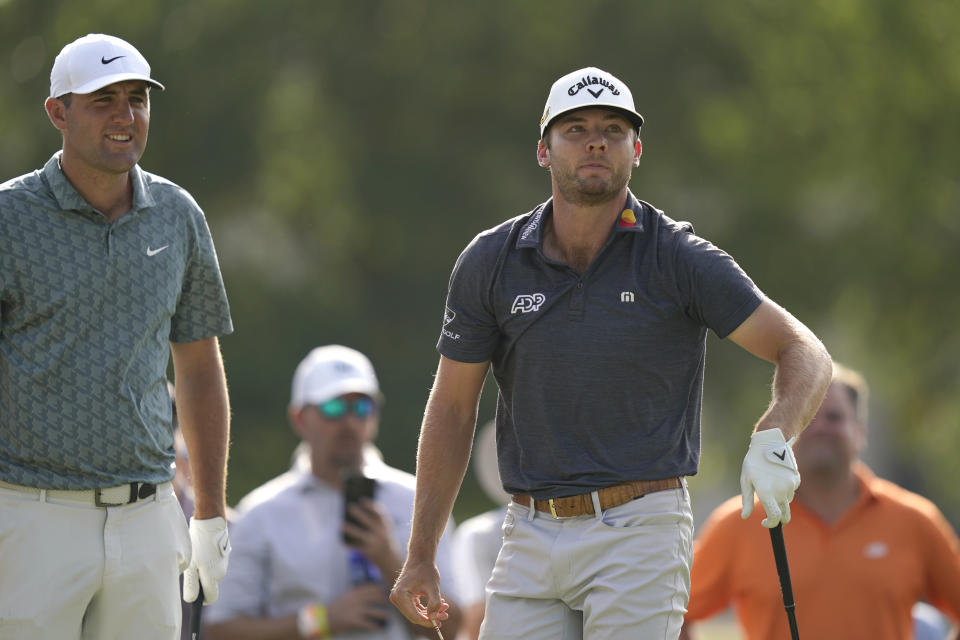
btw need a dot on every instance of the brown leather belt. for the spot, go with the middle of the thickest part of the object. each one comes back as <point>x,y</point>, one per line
<point>570,506</point>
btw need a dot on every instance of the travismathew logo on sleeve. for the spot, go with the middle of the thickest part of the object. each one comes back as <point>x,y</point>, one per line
<point>593,85</point>
<point>448,317</point>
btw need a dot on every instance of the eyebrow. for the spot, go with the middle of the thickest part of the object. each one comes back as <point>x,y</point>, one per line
<point>108,91</point>
<point>609,115</point>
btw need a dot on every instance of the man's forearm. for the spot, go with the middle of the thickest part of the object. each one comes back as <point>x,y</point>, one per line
<point>803,373</point>
<point>445,440</point>
<point>284,628</point>
<point>204,414</point>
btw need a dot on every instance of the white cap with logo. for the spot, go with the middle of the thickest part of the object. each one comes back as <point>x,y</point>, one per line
<point>588,87</point>
<point>94,61</point>
<point>331,371</point>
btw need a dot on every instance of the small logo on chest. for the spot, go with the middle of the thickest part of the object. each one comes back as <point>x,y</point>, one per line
<point>876,550</point>
<point>527,302</point>
<point>626,296</point>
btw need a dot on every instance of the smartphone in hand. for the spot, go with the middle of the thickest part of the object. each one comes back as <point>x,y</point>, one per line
<point>355,487</point>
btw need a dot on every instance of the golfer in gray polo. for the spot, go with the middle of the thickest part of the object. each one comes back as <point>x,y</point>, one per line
<point>105,271</point>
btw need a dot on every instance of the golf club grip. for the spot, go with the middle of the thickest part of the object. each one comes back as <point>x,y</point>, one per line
<point>783,569</point>
<point>196,608</point>
<point>783,572</point>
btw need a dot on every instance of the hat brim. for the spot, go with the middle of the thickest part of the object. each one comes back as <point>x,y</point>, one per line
<point>103,81</point>
<point>342,387</point>
<point>632,116</point>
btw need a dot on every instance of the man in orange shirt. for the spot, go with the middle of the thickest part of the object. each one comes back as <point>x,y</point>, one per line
<point>861,549</point>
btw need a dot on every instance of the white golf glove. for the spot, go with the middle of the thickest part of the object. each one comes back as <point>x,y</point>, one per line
<point>208,559</point>
<point>770,469</point>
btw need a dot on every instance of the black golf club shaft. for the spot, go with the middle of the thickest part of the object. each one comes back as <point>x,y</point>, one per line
<point>783,572</point>
<point>195,610</point>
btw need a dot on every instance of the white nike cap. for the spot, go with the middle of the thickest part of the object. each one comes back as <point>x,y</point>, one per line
<point>585,88</point>
<point>331,371</point>
<point>94,61</point>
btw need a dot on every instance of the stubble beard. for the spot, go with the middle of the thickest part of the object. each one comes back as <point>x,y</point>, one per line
<point>590,191</point>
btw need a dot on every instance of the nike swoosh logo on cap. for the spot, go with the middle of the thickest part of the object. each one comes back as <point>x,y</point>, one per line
<point>108,61</point>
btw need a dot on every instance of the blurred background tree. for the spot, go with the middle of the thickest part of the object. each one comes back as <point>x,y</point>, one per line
<point>345,152</point>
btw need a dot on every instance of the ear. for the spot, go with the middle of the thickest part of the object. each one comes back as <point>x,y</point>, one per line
<point>57,112</point>
<point>295,416</point>
<point>543,154</point>
<point>861,436</point>
<point>637,152</point>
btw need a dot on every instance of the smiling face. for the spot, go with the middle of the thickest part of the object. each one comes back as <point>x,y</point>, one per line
<point>590,153</point>
<point>105,131</point>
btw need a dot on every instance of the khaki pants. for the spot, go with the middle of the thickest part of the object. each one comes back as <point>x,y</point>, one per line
<point>70,570</point>
<point>624,574</point>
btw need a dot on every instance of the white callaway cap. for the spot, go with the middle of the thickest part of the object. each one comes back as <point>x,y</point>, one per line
<point>94,61</point>
<point>331,371</point>
<point>589,87</point>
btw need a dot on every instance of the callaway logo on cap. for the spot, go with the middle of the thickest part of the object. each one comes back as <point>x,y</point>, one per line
<point>94,61</point>
<point>589,87</point>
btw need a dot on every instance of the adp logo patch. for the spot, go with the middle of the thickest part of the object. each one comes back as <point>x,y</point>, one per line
<point>527,302</point>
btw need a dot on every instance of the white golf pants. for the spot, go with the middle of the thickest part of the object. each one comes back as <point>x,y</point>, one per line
<point>72,571</point>
<point>622,575</point>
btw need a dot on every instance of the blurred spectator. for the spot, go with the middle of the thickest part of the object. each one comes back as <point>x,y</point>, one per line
<point>477,540</point>
<point>862,550</point>
<point>929,623</point>
<point>292,575</point>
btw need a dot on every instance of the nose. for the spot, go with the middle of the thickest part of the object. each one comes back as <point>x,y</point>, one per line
<point>353,422</point>
<point>597,141</point>
<point>123,113</point>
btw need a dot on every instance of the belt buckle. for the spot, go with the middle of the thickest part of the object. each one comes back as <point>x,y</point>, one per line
<point>553,509</point>
<point>97,493</point>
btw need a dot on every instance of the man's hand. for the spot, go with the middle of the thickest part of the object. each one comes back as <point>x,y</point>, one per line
<point>373,537</point>
<point>208,560</point>
<point>362,608</point>
<point>770,469</point>
<point>418,582</point>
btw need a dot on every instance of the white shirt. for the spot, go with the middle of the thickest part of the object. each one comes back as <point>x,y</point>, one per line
<point>288,551</point>
<point>476,545</point>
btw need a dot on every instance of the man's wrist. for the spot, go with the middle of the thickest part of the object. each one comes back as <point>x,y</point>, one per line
<point>421,554</point>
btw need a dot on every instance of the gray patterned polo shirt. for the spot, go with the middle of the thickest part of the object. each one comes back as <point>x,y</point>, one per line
<point>87,311</point>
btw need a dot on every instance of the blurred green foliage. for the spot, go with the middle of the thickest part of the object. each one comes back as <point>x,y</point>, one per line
<point>345,152</point>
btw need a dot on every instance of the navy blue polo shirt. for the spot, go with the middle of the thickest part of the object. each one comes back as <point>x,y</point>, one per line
<point>600,375</point>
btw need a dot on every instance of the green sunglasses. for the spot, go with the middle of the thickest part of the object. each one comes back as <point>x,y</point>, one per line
<point>338,408</point>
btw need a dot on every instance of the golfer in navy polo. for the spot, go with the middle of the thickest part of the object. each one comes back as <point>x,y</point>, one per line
<point>593,311</point>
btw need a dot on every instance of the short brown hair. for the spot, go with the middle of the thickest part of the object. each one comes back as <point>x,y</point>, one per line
<point>856,386</point>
